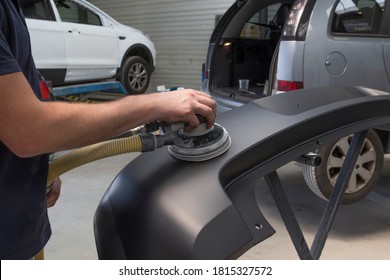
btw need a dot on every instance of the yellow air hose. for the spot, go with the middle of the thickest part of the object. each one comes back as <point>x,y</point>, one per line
<point>92,153</point>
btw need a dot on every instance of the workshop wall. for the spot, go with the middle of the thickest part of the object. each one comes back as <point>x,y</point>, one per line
<point>180,29</point>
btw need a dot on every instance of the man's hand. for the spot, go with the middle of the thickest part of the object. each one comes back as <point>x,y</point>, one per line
<point>54,193</point>
<point>184,105</point>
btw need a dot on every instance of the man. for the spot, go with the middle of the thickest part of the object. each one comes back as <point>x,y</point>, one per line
<point>31,129</point>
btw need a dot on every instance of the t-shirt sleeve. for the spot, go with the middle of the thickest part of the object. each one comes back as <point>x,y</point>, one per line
<point>8,63</point>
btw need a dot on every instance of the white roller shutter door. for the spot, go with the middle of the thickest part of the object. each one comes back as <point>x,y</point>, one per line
<point>180,29</point>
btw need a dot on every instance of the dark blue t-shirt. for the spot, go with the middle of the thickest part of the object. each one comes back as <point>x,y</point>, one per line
<point>24,224</point>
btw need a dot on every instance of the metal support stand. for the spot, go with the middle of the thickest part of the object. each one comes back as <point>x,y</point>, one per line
<point>110,86</point>
<point>331,208</point>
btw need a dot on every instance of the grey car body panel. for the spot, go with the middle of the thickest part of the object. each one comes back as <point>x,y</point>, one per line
<point>291,53</point>
<point>159,207</point>
<point>386,48</point>
<point>359,52</point>
<point>386,39</point>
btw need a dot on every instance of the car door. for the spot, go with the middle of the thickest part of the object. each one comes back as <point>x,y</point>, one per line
<point>91,46</point>
<point>386,38</point>
<point>47,39</point>
<point>344,45</point>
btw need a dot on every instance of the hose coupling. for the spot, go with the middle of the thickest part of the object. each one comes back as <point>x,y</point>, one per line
<point>151,142</point>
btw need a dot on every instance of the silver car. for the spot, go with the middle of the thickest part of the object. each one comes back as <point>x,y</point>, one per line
<point>285,45</point>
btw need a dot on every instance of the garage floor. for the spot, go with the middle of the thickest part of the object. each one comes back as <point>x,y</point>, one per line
<point>361,231</point>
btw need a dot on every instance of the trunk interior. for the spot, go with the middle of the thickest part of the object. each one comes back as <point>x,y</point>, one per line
<point>244,46</point>
<point>241,59</point>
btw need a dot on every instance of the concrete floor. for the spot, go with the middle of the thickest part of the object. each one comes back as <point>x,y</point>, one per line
<point>360,231</point>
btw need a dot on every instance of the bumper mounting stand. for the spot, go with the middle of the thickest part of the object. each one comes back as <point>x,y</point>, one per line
<point>329,214</point>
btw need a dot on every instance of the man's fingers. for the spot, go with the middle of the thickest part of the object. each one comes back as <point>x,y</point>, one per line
<point>54,193</point>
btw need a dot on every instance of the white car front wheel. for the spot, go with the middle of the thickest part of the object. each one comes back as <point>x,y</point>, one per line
<point>135,75</point>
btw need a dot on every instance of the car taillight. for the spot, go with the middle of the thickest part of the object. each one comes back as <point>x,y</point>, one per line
<point>289,85</point>
<point>46,89</point>
<point>292,29</point>
<point>205,73</point>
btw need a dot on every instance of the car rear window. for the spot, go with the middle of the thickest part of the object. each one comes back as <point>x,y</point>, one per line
<point>258,26</point>
<point>358,16</point>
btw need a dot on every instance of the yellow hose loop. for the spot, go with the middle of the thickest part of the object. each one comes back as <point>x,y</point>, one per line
<point>92,153</point>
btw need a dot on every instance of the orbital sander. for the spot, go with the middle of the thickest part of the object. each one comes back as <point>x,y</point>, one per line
<point>200,144</point>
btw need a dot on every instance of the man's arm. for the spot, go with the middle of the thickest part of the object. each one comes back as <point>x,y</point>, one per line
<point>29,127</point>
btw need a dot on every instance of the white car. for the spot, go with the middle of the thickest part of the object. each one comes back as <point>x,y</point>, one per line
<point>74,42</point>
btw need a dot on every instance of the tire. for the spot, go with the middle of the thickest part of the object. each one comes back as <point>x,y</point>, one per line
<point>321,179</point>
<point>135,75</point>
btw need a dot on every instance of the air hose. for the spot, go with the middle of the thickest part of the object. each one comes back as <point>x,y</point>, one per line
<point>136,143</point>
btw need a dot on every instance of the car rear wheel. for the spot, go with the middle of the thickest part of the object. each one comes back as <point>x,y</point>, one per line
<point>135,75</point>
<point>368,169</point>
